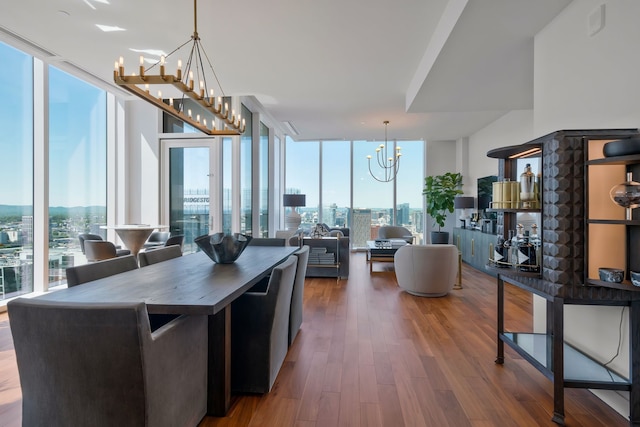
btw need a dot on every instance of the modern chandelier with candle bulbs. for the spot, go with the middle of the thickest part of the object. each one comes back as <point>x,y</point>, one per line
<point>204,101</point>
<point>389,164</point>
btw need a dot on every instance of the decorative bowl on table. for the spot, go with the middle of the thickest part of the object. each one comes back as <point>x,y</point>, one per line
<point>613,275</point>
<point>223,248</point>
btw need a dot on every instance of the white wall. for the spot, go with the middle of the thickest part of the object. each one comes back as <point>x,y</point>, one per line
<point>441,158</point>
<point>515,127</point>
<point>143,165</point>
<point>584,81</point>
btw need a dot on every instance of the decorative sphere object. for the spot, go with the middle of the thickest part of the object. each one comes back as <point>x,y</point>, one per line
<point>614,275</point>
<point>626,194</point>
<point>223,248</point>
<point>635,278</point>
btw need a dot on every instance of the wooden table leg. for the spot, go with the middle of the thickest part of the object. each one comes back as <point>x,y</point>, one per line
<point>219,374</point>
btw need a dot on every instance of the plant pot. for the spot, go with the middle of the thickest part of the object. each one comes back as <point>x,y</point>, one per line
<point>439,237</point>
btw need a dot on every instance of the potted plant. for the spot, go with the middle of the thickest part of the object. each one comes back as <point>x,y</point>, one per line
<point>440,191</point>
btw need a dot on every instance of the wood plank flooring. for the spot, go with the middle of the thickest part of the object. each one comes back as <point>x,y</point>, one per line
<point>369,354</point>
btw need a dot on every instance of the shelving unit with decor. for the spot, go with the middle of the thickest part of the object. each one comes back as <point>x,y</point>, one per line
<point>575,225</point>
<point>608,225</point>
<point>338,248</point>
<point>507,217</point>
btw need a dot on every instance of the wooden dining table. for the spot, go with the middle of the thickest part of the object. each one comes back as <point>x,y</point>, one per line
<point>191,284</point>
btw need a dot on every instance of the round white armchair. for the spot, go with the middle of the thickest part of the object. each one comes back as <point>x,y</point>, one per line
<point>427,270</point>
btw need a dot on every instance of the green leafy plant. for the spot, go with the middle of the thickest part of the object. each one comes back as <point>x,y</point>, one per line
<point>440,191</point>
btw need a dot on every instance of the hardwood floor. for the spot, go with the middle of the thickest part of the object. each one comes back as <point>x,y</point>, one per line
<point>371,355</point>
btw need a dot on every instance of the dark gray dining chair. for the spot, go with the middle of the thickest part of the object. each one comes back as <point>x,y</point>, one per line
<point>260,331</point>
<point>295,316</point>
<point>100,269</point>
<point>100,365</point>
<point>267,241</point>
<point>158,255</point>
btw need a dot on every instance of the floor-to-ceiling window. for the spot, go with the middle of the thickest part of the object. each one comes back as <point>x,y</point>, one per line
<point>409,184</point>
<point>302,177</point>
<point>227,194</point>
<point>16,172</point>
<point>77,168</point>
<point>246,172</point>
<point>336,183</point>
<point>372,200</point>
<point>345,167</point>
<point>263,185</point>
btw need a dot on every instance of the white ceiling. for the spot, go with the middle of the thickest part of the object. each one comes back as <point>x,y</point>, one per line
<point>336,69</point>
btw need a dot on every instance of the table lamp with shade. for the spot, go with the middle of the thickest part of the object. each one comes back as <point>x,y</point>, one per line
<point>464,203</point>
<point>293,220</point>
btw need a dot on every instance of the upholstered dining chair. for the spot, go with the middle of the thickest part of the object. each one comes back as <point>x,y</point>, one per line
<point>157,238</point>
<point>100,269</point>
<point>97,250</point>
<point>88,236</point>
<point>426,270</point>
<point>395,232</point>
<point>158,255</point>
<point>100,365</point>
<point>178,240</point>
<point>295,316</point>
<point>260,331</point>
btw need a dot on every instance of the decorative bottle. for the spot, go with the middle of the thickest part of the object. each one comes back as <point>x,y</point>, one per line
<point>499,253</point>
<point>515,241</point>
<point>527,181</point>
<point>507,248</point>
<point>527,255</point>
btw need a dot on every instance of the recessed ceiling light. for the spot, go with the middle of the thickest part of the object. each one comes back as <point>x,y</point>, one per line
<point>152,52</point>
<point>109,28</point>
<point>88,3</point>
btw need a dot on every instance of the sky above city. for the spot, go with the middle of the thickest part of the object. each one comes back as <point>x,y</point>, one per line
<point>77,135</point>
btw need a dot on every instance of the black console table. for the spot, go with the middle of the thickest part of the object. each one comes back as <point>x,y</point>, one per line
<point>563,364</point>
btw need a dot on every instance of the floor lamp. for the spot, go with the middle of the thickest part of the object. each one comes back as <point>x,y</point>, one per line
<point>464,203</point>
<point>293,220</point>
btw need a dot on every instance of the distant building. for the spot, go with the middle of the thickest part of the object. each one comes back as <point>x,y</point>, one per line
<point>403,214</point>
<point>27,230</point>
<point>361,227</point>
